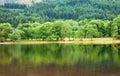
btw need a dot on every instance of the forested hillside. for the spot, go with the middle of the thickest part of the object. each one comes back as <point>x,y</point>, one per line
<point>60,19</point>
<point>51,10</point>
<point>2,2</point>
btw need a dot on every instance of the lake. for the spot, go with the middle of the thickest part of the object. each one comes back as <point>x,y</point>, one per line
<point>59,60</point>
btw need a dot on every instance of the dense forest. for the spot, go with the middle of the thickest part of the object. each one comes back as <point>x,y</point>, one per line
<point>51,10</point>
<point>59,19</point>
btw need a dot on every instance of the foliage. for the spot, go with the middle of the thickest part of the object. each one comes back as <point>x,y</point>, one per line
<point>16,35</point>
<point>59,54</point>
<point>81,33</point>
<point>116,26</point>
<point>52,10</point>
<point>61,29</point>
<point>5,30</point>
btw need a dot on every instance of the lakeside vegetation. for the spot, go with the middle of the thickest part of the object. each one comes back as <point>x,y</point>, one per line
<point>61,29</point>
<point>58,20</point>
<point>60,38</point>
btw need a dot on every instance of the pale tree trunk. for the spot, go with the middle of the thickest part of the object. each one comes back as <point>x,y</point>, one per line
<point>91,38</point>
<point>81,39</point>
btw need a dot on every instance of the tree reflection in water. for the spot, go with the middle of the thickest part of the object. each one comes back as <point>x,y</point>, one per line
<point>62,59</point>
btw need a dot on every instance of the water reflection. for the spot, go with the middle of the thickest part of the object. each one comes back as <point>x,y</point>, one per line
<point>62,59</point>
<point>59,54</point>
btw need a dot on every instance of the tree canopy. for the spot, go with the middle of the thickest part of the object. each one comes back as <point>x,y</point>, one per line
<point>61,29</point>
<point>52,10</point>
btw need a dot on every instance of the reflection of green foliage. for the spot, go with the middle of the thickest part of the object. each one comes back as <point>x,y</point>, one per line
<point>59,54</point>
<point>5,54</point>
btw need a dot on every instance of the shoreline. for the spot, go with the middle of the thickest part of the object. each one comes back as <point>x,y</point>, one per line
<point>84,41</point>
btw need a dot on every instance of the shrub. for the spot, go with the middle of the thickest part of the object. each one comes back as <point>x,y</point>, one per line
<point>117,37</point>
<point>2,39</point>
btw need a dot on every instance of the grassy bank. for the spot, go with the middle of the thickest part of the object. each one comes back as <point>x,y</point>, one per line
<point>76,41</point>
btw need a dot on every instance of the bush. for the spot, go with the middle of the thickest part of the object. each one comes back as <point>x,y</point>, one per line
<point>117,37</point>
<point>2,39</point>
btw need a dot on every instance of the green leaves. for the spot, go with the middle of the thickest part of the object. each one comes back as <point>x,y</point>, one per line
<point>17,34</point>
<point>5,30</point>
<point>59,9</point>
<point>62,29</point>
<point>116,25</point>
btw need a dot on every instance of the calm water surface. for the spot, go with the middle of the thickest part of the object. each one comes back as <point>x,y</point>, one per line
<point>59,60</point>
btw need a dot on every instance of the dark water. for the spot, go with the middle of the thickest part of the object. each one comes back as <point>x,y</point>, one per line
<point>60,60</point>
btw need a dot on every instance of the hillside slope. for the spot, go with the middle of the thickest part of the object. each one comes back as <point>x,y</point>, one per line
<point>50,10</point>
<point>28,2</point>
<point>76,9</point>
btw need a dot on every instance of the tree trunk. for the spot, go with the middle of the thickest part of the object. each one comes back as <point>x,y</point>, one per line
<point>61,39</point>
<point>81,39</point>
<point>43,39</point>
<point>73,39</point>
<point>91,39</point>
<point>57,39</point>
<point>69,38</point>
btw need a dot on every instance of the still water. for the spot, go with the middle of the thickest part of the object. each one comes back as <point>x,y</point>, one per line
<point>59,60</point>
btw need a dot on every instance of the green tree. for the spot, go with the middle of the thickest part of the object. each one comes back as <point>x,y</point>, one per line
<point>56,29</point>
<point>73,28</point>
<point>27,29</point>
<point>16,35</point>
<point>92,32</point>
<point>116,26</point>
<point>61,29</point>
<point>43,31</point>
<point>109,28</point>
<point>80,32</point>
<point>35,30</point>
<point>5,30</point>
<point>100,26</point>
